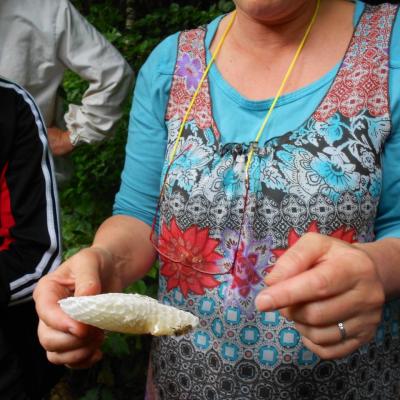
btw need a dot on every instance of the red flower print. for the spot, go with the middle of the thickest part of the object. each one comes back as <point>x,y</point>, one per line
<point>188,258</point>
<point>179,100</point>
<point>201,110</point>
<point>342,233</point>
<point>327,108</point>
<point>378,104</point>
<point>351,103</point>
<point>358,80</point>
<point>192,35</point>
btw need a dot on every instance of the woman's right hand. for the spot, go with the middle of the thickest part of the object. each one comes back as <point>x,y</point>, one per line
<point>67,341</point>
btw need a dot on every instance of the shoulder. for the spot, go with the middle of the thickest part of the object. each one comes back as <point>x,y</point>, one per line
<point>163,57</point>
<point>37,8</point>
<point>11,93</point>
<point>35,14</point>
<point>161,61</point>
<point>395,42</point>
<point>32,6</point>
<point>17,104</point>
<point>16,107</point>
<point>62,7</point>
<point>9,100</point>
<point>395,39</point>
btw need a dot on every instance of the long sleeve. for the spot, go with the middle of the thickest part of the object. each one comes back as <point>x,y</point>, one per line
<point>147,135</point>
<point>85,51</point>
<point>29,221</point>
<point>387,222</point>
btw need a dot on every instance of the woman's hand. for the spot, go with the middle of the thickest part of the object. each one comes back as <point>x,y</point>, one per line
<point>66,340</point>
<point>321,281</point>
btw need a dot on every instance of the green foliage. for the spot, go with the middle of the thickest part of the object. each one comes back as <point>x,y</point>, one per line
<point>87,199</point>
<point>149,29</point>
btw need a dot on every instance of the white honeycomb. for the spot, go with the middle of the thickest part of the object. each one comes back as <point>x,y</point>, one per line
<point>129,313</point>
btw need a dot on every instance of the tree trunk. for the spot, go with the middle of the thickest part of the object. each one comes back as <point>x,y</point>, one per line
<point>130,14</point>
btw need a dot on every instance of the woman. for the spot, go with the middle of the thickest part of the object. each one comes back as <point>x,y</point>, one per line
<point>300,198</point>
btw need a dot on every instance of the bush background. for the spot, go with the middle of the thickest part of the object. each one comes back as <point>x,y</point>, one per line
<point>135,28</point>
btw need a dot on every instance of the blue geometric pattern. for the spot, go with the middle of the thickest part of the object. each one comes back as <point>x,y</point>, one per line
<point>217,327</point>
<point>178,297</point>
<point>249,335</point>
<point>306,357</point>
<point>202,340</point>
<point>270,318</point>
<point>289,337</point>
<point>268,355</point>
<point>230,351</point>
<point>207,306</point>
<point>232,315</point>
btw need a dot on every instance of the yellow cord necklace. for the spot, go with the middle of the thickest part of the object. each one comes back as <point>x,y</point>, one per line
<point>276,98</point>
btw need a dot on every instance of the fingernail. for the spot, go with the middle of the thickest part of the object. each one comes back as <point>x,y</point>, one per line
<point>267,279</point>
<point>272,278</point>
<point>97,356</point>
<point>264,302</point>
<point>72,330</point>
<point>84,289</point>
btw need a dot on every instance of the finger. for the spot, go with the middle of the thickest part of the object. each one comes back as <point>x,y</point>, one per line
<point>96,357</point>
<point>321,282</point>
<point>57,341</point>
<point>68,279</point>
<point>341,307</point>
<point>331,335</point>
<point>73,358</point>
<point>87,279</point>
<point>334,351</point>
<point>305,253</point>
<point>49,290</point>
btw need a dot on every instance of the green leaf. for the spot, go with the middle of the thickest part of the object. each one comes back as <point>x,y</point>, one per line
<point>107,394</point>
<point>92,394</point>
<point>153,271</point>
<point>116,344</point>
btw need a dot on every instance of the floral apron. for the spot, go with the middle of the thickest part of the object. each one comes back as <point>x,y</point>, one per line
<point>323,177</point>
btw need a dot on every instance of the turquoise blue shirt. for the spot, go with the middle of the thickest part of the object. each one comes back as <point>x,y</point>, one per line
<point>147,136</point>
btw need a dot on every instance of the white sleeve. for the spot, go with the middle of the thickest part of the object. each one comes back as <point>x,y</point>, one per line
<point>82,49</point>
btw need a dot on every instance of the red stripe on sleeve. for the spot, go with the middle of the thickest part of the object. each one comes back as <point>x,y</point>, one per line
<point>6,217</point>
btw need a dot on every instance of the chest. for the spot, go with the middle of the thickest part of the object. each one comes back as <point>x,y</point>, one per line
<point>323,171</point>
<point>256,66</point>
<point>326,174</point>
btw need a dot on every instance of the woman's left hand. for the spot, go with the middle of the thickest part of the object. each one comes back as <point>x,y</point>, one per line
<point>321,281</point>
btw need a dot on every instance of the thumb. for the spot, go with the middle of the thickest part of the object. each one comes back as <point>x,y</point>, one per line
<point>86,269</point>
<point>303,255</point>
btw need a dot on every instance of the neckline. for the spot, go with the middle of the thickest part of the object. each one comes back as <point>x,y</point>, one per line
<point>285,98</point>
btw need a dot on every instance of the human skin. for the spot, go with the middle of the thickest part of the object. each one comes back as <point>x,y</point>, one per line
<point>319,281</point>
<point>121,253</point>
<point>267,48</point>
<point>59,141</point>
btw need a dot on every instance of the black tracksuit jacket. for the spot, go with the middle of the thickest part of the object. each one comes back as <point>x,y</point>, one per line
<point>29,220</point>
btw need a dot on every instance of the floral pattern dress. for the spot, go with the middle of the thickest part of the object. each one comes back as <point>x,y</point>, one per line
<point>325,176</point>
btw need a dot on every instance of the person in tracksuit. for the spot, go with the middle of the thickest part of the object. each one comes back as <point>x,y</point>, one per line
<point>29,242</point>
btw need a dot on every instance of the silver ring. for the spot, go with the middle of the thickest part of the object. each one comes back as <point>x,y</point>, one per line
<point>342,331</point>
